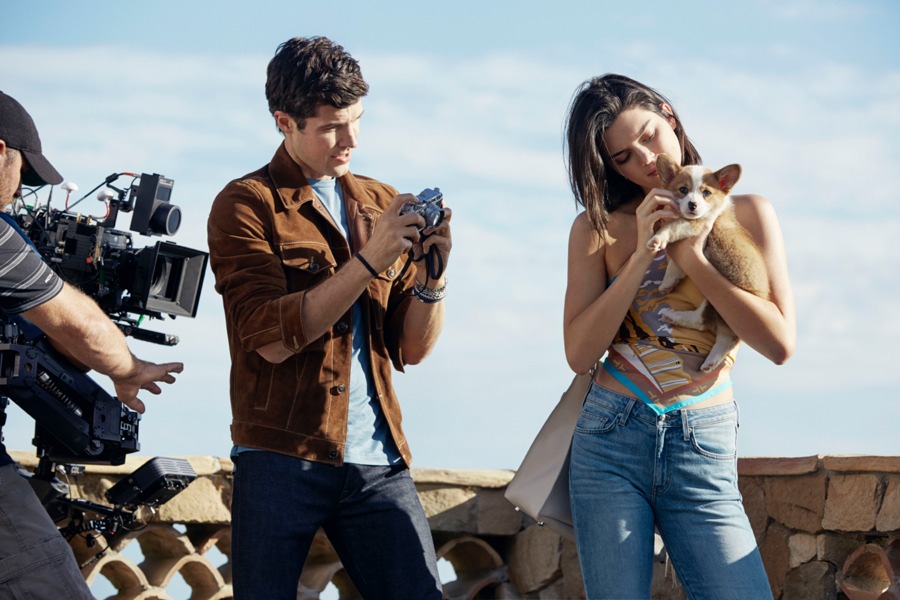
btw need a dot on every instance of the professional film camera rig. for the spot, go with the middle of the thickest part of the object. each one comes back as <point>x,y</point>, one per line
<point>76,420</point>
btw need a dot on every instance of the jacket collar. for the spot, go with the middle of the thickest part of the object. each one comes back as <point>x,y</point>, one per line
<point>294,190</point>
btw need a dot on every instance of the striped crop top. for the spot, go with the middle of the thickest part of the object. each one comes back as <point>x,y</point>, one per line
<point>658,362</point>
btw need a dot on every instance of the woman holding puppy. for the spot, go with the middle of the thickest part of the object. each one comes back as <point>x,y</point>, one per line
<point>655,446</point>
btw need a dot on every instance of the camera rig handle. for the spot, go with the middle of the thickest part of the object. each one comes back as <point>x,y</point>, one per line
<point>76,420</point>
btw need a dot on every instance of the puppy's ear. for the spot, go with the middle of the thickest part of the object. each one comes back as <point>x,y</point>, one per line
<point>727,177</point>
<point>666,168</point>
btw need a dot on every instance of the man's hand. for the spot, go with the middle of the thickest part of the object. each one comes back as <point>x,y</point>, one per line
<point>438,238</point>
<point>394,234</point>
<point>143,376</point>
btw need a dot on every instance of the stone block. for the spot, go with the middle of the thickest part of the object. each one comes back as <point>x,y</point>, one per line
<point>812,580</point>
<point>462,477</point>
<point>554,591</point>
<point>496,516</point>
<point>853,502</point>
<point>764,465</point>
<point>802,548</point>
<point>449,509</point>
<point>888,518</point>
<point>534,559</point>
<point>200,502</point>
<point>573,583</point>
<point>862,463</point>
<point>754,500</point>
<point>776,556</point>
<point>797,502</point>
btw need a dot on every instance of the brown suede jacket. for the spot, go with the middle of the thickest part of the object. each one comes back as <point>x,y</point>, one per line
<point>270,242</point>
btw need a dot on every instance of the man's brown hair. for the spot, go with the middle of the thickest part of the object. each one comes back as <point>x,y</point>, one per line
<point>308,72</point>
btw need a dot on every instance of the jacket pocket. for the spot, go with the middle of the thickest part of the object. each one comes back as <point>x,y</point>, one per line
<point>307,264</point>
<point>309,260</point>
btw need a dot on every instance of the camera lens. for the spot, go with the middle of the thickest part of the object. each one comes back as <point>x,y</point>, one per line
<point>166,219</point>
<point>434,216</point>
<point>162,272</point>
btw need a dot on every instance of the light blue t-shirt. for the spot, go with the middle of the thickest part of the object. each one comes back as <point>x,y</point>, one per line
<point>369,441</point>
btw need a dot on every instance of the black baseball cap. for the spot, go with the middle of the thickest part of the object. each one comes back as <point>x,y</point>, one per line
<point>18,131</point>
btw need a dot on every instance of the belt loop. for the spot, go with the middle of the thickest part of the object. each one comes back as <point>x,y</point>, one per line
<point>623,416</point>
<point>685,425</point>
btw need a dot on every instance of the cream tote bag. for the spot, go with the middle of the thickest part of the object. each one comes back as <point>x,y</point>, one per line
<point>540,487</point>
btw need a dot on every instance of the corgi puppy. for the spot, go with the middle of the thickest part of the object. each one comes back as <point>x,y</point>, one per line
<point>703,195</point>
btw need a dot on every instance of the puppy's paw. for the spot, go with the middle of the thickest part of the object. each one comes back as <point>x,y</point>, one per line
<point>711,363</point>
<point>665,287</point>
<point>667,314</point>
<point>656,244</point>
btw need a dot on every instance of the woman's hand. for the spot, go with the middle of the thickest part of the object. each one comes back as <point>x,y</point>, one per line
<point>692,247</point>
<point>657,208</point>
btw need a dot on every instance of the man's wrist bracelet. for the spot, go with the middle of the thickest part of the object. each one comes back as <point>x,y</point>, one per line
<point>429,296</point>
<point>366,264</point>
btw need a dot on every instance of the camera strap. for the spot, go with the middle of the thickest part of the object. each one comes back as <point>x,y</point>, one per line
<point>434,262</point>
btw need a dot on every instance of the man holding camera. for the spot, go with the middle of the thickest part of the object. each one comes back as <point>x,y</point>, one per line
<point>311,262</point>
<point>35,561</point>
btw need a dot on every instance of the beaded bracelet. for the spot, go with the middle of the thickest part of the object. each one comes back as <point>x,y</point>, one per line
<point>429,296</point>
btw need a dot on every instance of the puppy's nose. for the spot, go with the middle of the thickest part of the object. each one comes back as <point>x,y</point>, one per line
<point>692,206</point>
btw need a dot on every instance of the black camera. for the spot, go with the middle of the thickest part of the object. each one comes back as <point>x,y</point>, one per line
<point>76,420</point>
<point>430,204</point>
<point>89,253</point>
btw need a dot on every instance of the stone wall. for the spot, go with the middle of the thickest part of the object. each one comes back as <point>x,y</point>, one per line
<point>828,528</point>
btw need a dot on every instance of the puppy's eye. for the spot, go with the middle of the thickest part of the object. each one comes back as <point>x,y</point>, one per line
<point>683,190</point>
<point>706,193</point>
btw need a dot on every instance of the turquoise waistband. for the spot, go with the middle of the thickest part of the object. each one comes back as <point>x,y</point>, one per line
<point>641,395</point>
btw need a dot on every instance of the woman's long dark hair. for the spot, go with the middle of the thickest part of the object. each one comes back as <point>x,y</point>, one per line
<point>596,104</point>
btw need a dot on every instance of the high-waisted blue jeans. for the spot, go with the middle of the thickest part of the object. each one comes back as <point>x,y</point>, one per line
<point>631,471</point>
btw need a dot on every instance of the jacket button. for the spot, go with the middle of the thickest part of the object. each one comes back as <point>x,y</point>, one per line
<point>333,453</point>
<point>342,327</point>
<point>340,388</point>
<point>390,273</point>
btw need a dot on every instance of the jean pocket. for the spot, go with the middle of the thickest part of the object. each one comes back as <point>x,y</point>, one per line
<point>596,418</point>
<point>716,440</point>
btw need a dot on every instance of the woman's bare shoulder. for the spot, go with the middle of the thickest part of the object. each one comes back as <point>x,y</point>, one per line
<point>584,232</point>
<point>756,213</point>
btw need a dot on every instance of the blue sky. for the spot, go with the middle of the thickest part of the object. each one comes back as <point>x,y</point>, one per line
<point>471,97</point>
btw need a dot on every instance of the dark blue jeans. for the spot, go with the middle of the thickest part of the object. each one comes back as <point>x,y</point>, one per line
<point>371,515</point>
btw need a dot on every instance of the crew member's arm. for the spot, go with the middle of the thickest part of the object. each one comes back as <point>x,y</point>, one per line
<point>75,322</point>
